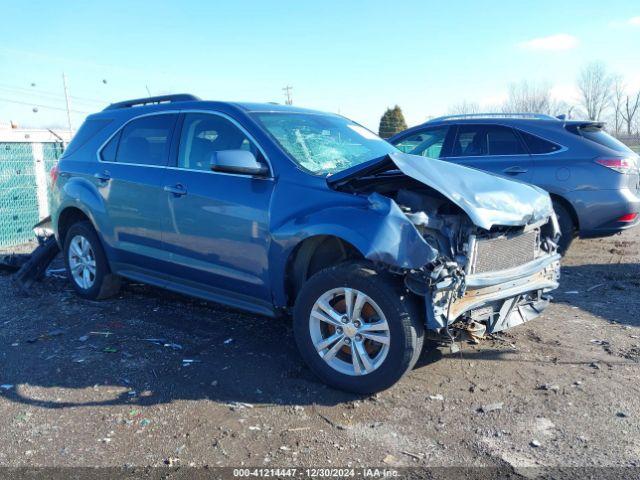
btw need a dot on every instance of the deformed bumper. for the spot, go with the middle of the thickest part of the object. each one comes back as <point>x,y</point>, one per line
<point>511,296</point>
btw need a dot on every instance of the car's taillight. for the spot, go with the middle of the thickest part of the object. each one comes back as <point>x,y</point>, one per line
<point>54,172</point>
<point>628,218</point>
<point>620,165</point>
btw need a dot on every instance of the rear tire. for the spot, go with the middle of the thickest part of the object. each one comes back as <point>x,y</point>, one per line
<point>567,227</point>
<point>385,331</point>
<point>86,263</point>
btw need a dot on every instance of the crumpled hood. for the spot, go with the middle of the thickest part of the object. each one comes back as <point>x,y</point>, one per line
<point>488,199</point>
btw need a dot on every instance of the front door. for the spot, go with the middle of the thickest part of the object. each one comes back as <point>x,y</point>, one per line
<point>493,148</point>
<point>216,225</point>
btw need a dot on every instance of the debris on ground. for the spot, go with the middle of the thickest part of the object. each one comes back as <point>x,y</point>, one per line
<point>438,397</point>
<point>238,405</point>
<point>188,361</point>
<point>390,460</point>
<point>14,261</point>
<point>36,266</point>
<point>412,455</point>
<point>491,407</point>
<point>549,387</point>
<point>163,342</point>
<point>535,443</point>
<point>46,336</point>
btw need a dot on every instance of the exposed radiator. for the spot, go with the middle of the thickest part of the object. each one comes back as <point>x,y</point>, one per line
<point>501,253</point>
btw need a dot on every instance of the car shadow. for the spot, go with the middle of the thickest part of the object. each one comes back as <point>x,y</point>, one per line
<point>146,347</point>
<point>149,346</point>
<point>609,290</point>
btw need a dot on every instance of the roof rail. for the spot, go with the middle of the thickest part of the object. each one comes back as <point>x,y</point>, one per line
<point>178,97</point>
<point>531,116</point>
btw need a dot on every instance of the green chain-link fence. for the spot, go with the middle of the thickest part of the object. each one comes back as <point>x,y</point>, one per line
<point>24,171</point>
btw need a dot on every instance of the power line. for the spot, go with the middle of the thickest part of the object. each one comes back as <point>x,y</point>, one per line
<point>50,107</point>
<point>44,93</point>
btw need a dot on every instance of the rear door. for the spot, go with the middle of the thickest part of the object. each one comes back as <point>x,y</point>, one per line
<point>493,148</point>
<point>131,168</point>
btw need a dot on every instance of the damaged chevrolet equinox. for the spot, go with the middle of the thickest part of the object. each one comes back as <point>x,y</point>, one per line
<point>276,209</point>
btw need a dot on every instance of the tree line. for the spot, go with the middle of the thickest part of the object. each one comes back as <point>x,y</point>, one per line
<point>601,96</point>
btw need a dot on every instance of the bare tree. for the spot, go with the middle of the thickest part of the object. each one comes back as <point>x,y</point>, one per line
<point>534,98</point>
<point>464,107</point>
<point>629,111</point>
<point>617,101</point>
<point>595,86</point>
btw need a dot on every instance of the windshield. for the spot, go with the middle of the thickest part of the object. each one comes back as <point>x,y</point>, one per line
<point>324,144</point>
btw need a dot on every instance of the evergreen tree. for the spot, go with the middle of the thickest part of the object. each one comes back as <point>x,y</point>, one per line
<point>392,122</point>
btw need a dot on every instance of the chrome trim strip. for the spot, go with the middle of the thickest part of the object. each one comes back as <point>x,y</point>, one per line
<point>177,112</point>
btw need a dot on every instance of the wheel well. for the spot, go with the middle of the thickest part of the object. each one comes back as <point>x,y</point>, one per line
<point>567,205</point>
<point>312,255</point>
<point>68,217</point>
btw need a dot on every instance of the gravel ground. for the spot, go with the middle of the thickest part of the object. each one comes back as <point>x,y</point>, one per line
<point>85,384</point>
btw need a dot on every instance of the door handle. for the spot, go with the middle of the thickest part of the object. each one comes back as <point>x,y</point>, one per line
<point>103,177</point>
<point>515,170</point>
<point>177,190</point>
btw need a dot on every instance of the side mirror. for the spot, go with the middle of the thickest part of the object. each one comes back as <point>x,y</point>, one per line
<point>237,161</point>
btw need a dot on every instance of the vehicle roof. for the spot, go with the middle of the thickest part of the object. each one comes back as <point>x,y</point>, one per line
<point>224,106</point>
<point>518,119</point>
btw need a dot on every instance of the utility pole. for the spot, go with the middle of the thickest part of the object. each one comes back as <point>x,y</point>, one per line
<point>66,99</point>
<point>287,94</point>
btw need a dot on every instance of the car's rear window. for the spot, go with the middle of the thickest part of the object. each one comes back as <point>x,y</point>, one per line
<point>537,145</point>
<point>87,131</point>
<point>596,134</point>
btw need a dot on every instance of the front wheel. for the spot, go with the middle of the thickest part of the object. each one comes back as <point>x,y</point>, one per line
<point>357,329</point>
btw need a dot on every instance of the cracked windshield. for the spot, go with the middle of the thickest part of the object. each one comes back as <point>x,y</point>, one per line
<point>324,144</point>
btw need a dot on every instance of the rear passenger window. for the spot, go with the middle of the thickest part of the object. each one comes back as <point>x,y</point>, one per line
<point>146,140</point>
<point>470,141</point>
<point>108,153</point>
<point>485,140</point>
<point>537,145</point>
<point>503,141</point>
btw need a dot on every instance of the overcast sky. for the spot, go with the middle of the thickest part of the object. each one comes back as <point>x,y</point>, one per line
<point>353,57</point>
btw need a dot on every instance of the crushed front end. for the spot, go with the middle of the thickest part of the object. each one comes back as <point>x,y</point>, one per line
<point>492,280</point>
<point>485,257</point>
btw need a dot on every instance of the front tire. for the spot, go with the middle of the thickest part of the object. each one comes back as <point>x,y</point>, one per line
<point>87,265</point>
<point>357,329</point>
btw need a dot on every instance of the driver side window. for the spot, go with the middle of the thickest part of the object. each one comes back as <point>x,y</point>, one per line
<point>202,134</point>
<point>427,143</point>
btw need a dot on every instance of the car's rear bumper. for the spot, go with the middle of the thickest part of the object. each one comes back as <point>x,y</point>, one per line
<point>598,211</point>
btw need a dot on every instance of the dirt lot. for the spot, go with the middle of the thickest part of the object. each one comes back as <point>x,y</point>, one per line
<point>82,384</point>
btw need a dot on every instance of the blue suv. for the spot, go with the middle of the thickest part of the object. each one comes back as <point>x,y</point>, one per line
<point>593,179</point>
<point>280,210</point>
